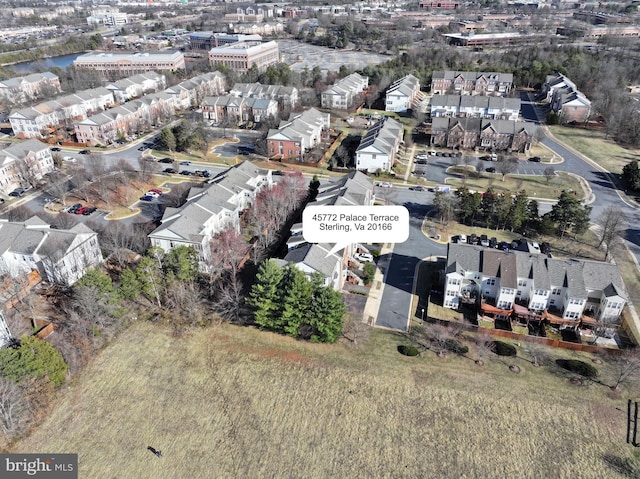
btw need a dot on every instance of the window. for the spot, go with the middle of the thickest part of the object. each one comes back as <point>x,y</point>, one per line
<point>522,282</point>
<point>491,282</point>
<point>556,291</point>
<point>541,292</point>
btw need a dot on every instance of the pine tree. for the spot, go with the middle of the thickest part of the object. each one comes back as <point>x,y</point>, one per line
<point>296,296</point>
<point>34,358</point>
<point>130,287</point>
<point>325,314</point>
<point>265,295</point>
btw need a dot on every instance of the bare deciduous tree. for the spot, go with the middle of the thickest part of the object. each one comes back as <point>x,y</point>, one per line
<point>625,369</point>
<point>355,330</point>
<point>549,173</point>
<point>506,166</point>
<point>14,410</point>
<point>613,223</point>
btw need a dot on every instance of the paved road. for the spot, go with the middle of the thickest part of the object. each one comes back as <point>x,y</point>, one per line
<point>396,297</point>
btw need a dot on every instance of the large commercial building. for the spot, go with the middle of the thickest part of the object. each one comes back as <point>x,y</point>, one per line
<point>242,56</point>
<point>118,65</point>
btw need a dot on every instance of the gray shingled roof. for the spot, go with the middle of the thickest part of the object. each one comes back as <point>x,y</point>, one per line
<point>315,257</point>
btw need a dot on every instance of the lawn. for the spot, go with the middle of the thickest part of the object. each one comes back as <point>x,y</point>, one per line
<point>536,186</point>
<point>594,144</point>
<point>235,402</point>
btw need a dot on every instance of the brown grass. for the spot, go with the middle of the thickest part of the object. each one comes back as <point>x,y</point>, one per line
<point>232,402</point>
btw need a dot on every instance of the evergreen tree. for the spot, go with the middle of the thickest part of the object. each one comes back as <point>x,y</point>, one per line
<point>34,358</point>
<point>167,139</point>
<point>98,279</point>
<point>325,314</point>
<point>265,295</point>
<point>130,287</point>
<point>296,295</point>
<point>519,211</point>
<point>631,175</point>
<point>570,214</point>
<point>468,205</point>
<point>182,262</point>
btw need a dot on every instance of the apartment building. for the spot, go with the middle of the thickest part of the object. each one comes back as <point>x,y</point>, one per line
<point>28,88</point>
<point>210,209</point>
<point>343,92</point>
<point>298,134</point>
<point>402,94</point>
<point>22,163</point>
<point>113,65</point>
<point>492,135</point>
<point>378,148</point>
<point>243,56</point>
<point>577,291</point>
<point>61,256</point>
<point>478,106</point>
<point>286,96</point>
<point>471,83</point>
<point>136,86</point>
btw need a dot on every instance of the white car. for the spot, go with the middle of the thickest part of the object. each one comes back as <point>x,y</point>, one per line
<point>363,257</point>
<point>70,159</point>
<point>385,184</point>
<point>152,193</point>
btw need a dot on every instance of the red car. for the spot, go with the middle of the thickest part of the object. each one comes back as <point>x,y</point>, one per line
<point>79,211</point>
<point>156,190</point>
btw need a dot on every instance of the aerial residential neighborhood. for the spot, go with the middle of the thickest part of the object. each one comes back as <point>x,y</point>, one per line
<point>165,299</point>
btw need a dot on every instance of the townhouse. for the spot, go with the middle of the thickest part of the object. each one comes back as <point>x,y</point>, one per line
<point>402,94</point>
<point>237,109</point>
<point>300,133</point>
<point>492,107</point>
<point>494,135</point>
<point>192,91</point>
<point>210,209</point>
<point>565,99</point>
<point>114,65</point>
<point>22,163</point>
<point>243,56</point>
<point>61,256</point>
<point>353,189</point>
<point>45,118</point>
<point>136,86</point>
<point>286,96</point>
<point>343,92</point>
<point>378,148</point>
<point>30,87</point>
<point>573,291</point>
<point>471,83</point>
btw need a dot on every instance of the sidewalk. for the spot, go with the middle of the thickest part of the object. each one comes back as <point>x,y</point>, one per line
<point>374,299</point>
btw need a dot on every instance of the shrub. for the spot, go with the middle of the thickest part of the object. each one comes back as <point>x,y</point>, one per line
<point>369,272</point>
<point>408,350</point>
<point>455,346</point>
<point>579,367</point>
<point>504,349</point>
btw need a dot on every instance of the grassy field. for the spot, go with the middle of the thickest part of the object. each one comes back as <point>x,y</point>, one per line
<point>595,145</point>
<point>232,402</point>
<point>536,186</point>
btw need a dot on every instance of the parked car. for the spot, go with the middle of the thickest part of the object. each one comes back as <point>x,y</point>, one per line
<point>156,190</point>
<point>473,239</point>
<point>55,148</point>
<point>142,148</point>
<point>18,192</point>
<point>185,173</point>
<point>186,163</point>
<point>462,238</point>
<point>85,152</point>
<point>70,159</point>
<point>169,170</point>
<point>417,188</point>
<point>385,184</point>
<point>147,198</point>
<point>491,169</point>
<point>421,161</point>
<point>165,160</point>
<point>363,257</point>
<point>484,241</point>
<point>81,210</point>
<point>71,208</point>
<point>493,242</point>
<point>152,193</point>
<point>89,210</point>
<point>419,173</point>
<point>535,159</point>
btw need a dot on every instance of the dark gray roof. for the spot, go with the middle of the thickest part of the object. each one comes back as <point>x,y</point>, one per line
<point>315,257</point>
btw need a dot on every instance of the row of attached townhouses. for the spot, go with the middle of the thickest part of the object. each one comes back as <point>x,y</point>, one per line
<point>106,127</point>
<point>210,209</point>
<point>402,94</point>
<point>60,256</point>
<point>353,189</point>
<point>21,163</point>
<point>565,99</point>
<point>286,96</point>
<point>237,109</point>
<point>469,133</point>
<point>378,148</point>
<point>493,107</point>
<point>471,83</point>
<point>28,88</point>
<point>43,119</point>
<point>570,288</point>
<point>341,95</point>
<point>298,134</point>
